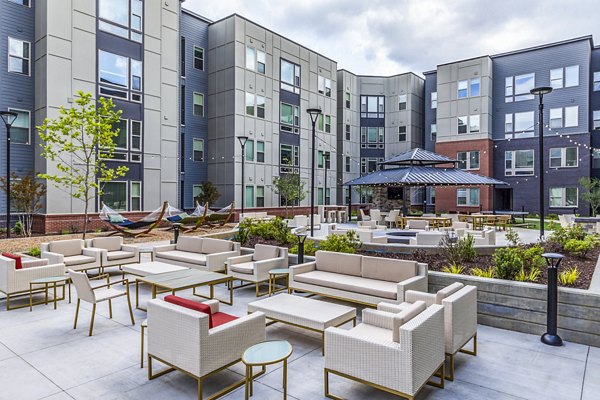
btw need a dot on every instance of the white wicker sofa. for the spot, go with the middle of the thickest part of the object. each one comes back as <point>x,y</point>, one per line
<point>15,282</point>
<point>255,267</point>
<point>360,279</point>
<point>115,252</point>
<point>427,238</point>
<point>196,252</point>
<point>73,254</point>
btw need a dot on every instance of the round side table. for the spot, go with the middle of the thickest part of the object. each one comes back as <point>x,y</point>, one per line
<point>53,282</point>
<point>263,354</point>
<point>274,274</point>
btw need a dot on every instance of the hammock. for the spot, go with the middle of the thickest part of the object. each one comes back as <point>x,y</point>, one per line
<point>222,216</point>
<point>204,216</point>
<point>126,227</point>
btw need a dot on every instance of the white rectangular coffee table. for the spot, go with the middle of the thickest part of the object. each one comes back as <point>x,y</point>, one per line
<point>148,269</point>
<point>314,315</point>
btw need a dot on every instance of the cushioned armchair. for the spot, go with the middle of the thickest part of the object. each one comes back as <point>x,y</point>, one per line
<point>369,225</point>
<point>181,338</point>
<point>116,253</point>
<point>427,238</point>
<point>255,267</point>
<point>368,236</point>
<point>196,252</point>
<point>15,282</point>
<point>460,316</point>
<point>397,353</point>
<point>417,224</point>
<point>73,254</point>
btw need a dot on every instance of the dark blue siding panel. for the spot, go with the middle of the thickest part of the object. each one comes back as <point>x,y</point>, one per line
<point>595,105</point>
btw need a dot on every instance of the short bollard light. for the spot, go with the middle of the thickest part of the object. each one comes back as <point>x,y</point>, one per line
<point>301,239</point>
<point>551,336</point>
<point>176,229</point>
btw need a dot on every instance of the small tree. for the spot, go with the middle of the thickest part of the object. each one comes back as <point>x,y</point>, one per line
<point>591,193</point>
<point>291,189</point>
<point>79,141</point>
<point>26,193</point>
<point>208,193</point>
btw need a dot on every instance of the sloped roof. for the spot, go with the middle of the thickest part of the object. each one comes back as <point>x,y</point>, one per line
<point>423,176</point>
<point>418,157</point>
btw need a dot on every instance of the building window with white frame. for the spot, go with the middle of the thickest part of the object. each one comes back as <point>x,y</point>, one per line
<point>250,58</point>
<point>199,104</point>
<point>20,131</point>
<point>260,151</point>
<point>289,118</point>
<point>117,75</point>
<point>135,196</point>
<point>433,128</point>
<point>328,123</point>
<point>564,157</point>
<point>596,119</point>
<point>123,18</point>
<point>518,163</point>
<point>474,125</point>
<point>290,76</point>
<point>114,195</point>
<point>347,99</point>
<point>402,102</point>
<point>372,137</point>
<point>517,88</point>
<point>348,165</point>
<point>596,83</point>
<point>433,100</point>
<point>564,77</point>
<point>19,56</point>
<point>463,89</point>
<point>199,58</point>
<point>249,150</point>
<point>563,197</point>
<point>198,150</point>
<point>261,62</point>
<point>522,124</point>
<point>467,197</point>
<point>571,116</point>
<point>475,87</point>
<point>372,106</point>
<point>402,133</point>
<point>260,106</point>
<point>250,99</point>
<point>468,160</point>
<point>289,158</point>
<point>249,196</point>
<point>136,135</point>
<point>260,196</point>
<point>348,133</point>
<point>368,164</point>
<point>25,3</point>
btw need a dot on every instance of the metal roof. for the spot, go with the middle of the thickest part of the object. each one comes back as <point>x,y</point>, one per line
<point>423,176</point>
<point>418,157</point>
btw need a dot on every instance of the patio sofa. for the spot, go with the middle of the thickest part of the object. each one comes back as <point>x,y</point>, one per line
<point>196,252</point>
<point>360,279</point>
<point>115,252</point>
<point>254,268</point>
<point>73,254</point>
<point>427,238</point>
<point>368,236</point>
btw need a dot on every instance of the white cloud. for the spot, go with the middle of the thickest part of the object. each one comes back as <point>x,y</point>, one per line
<point>387,37</point>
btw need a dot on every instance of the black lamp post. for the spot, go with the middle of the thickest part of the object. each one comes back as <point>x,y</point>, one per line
<point>301,239</point>
<point>325,161</point>
<point>540,92</point>
<point>243,140</point>
<point>314,114</point>
<point>8,117</point>
<point>551,337</point>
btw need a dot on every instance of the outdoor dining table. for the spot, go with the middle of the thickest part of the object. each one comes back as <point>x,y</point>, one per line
<point>478,220</point>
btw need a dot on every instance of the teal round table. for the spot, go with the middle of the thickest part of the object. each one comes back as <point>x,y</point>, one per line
<point>263,354</point>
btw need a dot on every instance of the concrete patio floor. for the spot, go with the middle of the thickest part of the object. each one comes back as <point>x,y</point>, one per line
<point>42,357</point>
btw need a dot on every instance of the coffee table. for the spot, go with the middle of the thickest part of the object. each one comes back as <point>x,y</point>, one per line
<point>263,354</point>
<point>314,315</point>
<point>188,279</point>
<point>278,273</point>
<point>54,282</point>
<point>148,269</point>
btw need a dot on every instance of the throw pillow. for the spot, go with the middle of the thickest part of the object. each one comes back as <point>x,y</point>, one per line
<point>190,304</point>
<point>115,218</point>
<point>18,262</point>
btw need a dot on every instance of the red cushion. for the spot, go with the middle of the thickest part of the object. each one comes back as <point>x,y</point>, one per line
<point>18,263</point>
<point>221,318</point>
<point>191,304</point>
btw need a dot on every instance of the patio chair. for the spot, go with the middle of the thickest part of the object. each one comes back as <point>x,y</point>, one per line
<point>460,316</point>
<point>126,227</point>
<point>368,236</point>
<point>254,268</point>
<point>391,219</point>
<point>15,278</point>
<point>363,216</point>
<point>396,353</point>
<point>375,215</point>
<point>95,295</point>
<point>369,225</point>
<point>417,224</point>
<point>115,252</point>
<point>73,254</point>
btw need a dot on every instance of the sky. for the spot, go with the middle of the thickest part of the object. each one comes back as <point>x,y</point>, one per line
<point>388,37</point>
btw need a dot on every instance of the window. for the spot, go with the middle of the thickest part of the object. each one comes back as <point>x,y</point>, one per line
<point>368,165</point>
<point>249,150</point>
<point>348,133</point>
<point>402,99</point>
<point>596,159</point>
<point>571,116</point>
<point>327,196</point>
<point>116,77</point>
<point>261,62</point>
<point>320,122</point>
<point>324,86</point>
<point>249,104</point>
<point>260,106</point>
<point>433,99</point>
<point>121,139</point>
<point>249,196</point>
<point>289,116</point>
<point>182,105</point>
<point>289,158</point>
<point>20,129</point>
<point>463,90</point>
<point>260,196</point>
<point>320,196</point>
<point>122,18</point>
<point>328,123</point>
<point>290,76</point>
<point>402,133</point>
<point>468,159</point>
<point>475,87</point>
<point>22,2</point>
<point>372,137</point>
<point>467,197</point>
<point>199,104</point>
<point>462,124</point>
<point>260,151</point>
<point>347,164</point>
<point>135,196</point>
<point>596,119</point>
<point>521,123</point>
<point>517,88</point>
<point>136,135</point>
<point>320,159</point>
<point>199,58</point>
<point>327,87</point>
<point>114,195</point>
<point>564,77</point>
<point>474,124</point>
<point>564,157</point>
<point>518,162</point>
<point>563,197</point>
<point>508,123</point>
<point>19,54</point>
<point>556,78</point>
<point>136,76</point>
<point>182,55</point>
<point>572,76</point>
<point>372,106</point>
<point>433,128</point>
<point>250,58</point>
<point>596,81</point>
<point>347,100</point>
<point>556,117</point>
<point>198,149</point>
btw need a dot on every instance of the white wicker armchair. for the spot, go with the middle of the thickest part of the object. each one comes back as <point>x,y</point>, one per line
<point>116,253</point>
<point>369,354</point>
<point>255,267</point>
<point>73,254</point>
<point>15,282</point>
<point>180,338</point>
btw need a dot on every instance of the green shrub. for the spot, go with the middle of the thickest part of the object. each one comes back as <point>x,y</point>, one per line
<point>562,235</point>
<point>552,217</point>
<point>309,247</point>
<point>35,252</point>
<point>532,256</point>
<point>507,262</point>
<point>569,276</point>
<point>484,273</point>
<point>458,252</point>
<point>18,228</point>
<point>347,243</point>
<point>243,234</point>
<point>453,269</point>
<point>531,275</point>
<point>513,237</point>
<point>274,229</point>
<point>580,248</point>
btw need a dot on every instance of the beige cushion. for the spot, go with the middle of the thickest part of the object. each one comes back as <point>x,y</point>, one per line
<point>182,256</point>
<point>329,261</point>
<point>119,255</point>
<point>406,315</point>
<point>108,243</point>
<point>210,246</point>
<point>191,244</point>
<point>417,224</point>
<point>356,284</point>
<point>447,291</point>
<point>388,269</point>
<point>371,332</point>
<point>34,262</point>
<point>243,268</point>
<point>67,247</point>
<point>78,260</point>
<point>265,252</point>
